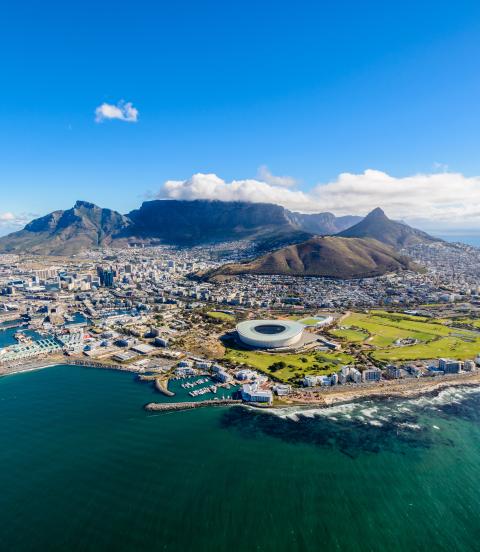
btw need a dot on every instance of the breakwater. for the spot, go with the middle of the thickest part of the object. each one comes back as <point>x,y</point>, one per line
<point>161,385</point>
<point>166,407</point>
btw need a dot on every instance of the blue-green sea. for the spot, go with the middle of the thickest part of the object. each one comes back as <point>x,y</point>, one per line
<point>84,467</point>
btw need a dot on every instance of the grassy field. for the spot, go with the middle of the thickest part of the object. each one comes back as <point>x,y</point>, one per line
<point>436,338</point>
<point>221,316</point>
<point>309,321</point>
<point>385,328</point>
<point>449,347</point>
<point>350,334</point>
<point>296,365</point>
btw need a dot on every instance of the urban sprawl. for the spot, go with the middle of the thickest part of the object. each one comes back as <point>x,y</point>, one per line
<point>145,310</point>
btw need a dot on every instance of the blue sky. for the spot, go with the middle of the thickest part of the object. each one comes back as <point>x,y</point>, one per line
<point>308,89</point>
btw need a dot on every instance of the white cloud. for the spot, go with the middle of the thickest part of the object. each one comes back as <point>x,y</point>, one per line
<point>10,221</point>
<point>435,200</point>
<point>210,186</point>
<point>123,111</point>
<point>7,217</point>
<point>264,175</point>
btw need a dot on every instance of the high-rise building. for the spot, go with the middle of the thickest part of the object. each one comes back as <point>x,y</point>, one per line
<point>106,275</point>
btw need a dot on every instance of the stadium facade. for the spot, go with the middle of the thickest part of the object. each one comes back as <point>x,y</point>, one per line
<point>270,334</point>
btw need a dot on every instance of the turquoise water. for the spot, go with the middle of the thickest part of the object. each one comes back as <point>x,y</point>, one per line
<point>84,467</point>
<point>6,336</point>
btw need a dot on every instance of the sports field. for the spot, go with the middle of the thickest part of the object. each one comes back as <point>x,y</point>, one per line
<point>435,338</point>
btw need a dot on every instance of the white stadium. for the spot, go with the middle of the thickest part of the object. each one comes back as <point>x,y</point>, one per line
<point>270,334</point>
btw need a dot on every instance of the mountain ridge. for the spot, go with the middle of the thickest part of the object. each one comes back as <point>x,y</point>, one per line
<point>170,222</point>
<point>197,222</point>
<point>67,232</point>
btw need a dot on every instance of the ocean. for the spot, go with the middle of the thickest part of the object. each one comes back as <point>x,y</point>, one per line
<point>469,239</point>
<point>84,467</point>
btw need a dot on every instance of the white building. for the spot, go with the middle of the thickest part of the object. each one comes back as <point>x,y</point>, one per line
<point>251,393</point>
<point>371,374</point>
<point>282,389</point>
<point>246,374</point>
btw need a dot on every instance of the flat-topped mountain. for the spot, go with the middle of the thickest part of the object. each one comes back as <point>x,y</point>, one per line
<point>205,221</point>
<point>378,226</point>
<point>330,256</point>
<point>172,222</point>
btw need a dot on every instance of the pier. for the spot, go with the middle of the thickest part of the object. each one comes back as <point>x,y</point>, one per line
<point>167,407</point>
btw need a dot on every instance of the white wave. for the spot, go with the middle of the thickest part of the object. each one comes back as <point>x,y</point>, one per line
<point>369,412</point>
<point>328,412</point>
<point>376,423</point>
<point>406,425</point>
<point>450,395</point>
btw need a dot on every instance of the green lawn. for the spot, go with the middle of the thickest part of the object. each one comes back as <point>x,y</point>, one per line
<point>309,321</point>
<point>437,339</point>
<point>444,347</point>
<point>350,334</point>
<point>297,365</point>
<point>221,316</point>
<point>385,328</point>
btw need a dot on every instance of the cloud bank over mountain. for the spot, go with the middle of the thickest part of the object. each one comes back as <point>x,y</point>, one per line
<point>210,186</point>
<point>431,200</point>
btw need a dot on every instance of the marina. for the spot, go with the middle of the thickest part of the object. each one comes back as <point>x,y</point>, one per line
<point>190,384</point>
<point>203,391</point>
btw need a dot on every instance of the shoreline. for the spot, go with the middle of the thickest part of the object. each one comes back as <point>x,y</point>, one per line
<point>324,398</point>
<point>391,390</point>
<point>39,365</point>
